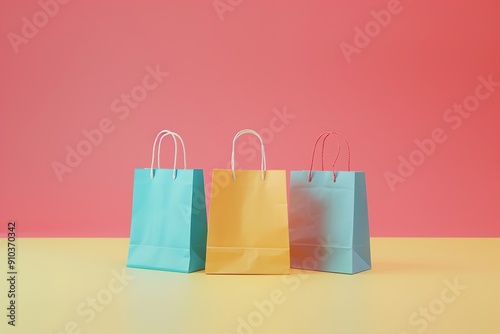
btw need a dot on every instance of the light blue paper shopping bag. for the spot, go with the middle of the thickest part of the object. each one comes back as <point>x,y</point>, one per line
<point>329,219</point>
<point>169,220</point>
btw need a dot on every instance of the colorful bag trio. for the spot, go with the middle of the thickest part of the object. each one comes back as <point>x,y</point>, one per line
<point>251,229</point>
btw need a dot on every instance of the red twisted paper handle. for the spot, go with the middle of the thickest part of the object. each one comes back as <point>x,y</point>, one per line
<point>326,135</point>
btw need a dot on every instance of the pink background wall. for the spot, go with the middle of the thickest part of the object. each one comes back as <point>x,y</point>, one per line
<point>235,68</point>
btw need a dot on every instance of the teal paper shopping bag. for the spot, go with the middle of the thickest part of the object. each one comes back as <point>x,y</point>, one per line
<point>329,218</point>
<point>169,220</point>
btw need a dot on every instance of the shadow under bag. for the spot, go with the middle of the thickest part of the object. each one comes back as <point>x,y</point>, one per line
<point>169,221</point>
<point>329,219</point>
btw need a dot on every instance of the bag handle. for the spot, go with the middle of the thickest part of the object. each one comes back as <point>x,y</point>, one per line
<point>175,136</point>
<point>263,161</point>
<point>326,135</point>
<point>339,148</point>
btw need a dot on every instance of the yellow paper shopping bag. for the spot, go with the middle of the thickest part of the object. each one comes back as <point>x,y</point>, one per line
<point>248,221</point>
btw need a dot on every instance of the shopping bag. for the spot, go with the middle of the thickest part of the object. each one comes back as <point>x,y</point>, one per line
<point>248,220</point>
<point>329,218</point>
<point>169,220</point>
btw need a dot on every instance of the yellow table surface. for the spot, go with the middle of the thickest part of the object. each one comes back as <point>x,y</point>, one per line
<point>417,285</point>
